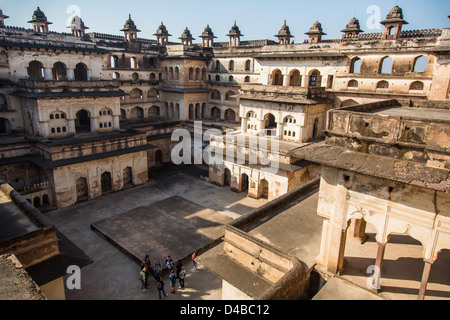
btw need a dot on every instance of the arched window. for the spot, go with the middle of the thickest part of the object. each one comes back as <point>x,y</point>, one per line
<point>420,64</point>
<point>386,65</point>
<point>353,84</point>
<point>191,74</point>
<point>217,65</point>
<point>248,64</point>
<point>136,94</point>
<point>247,79</point>
<point>383,85</point>
<point>215,95</point>
<point>231,65</point>
<point>295,78</point>
<point>114,62</point>
<point>355,66</point>
<point>81,72</point>
<point>59,71</point>
<point>416,85</point>
<point>230,96</point>
<point>277,78</point>
<point>116,76</point>
<point>314,79</point>
<point>135,76</point>
<point>133,63</point>
<point>36,70</point>
<point>198,74</point>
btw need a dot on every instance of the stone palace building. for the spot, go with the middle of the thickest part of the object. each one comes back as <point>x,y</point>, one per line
<point>84,113</point>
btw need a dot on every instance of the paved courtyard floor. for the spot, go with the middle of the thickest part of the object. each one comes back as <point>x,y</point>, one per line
<point>173,214</point>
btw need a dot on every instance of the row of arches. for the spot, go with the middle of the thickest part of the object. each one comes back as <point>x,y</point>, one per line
<point>197,74</point>
<point>231,65</point>
<point>132,62</point>
<point>229,95</point>
<point>36,71</point>
<point>386,63</point>
<point>294,78</point>
<point>383,84</point>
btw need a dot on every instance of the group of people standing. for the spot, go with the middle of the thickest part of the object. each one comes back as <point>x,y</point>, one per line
<point>177,271</point>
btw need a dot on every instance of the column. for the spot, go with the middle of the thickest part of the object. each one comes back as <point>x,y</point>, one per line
<point>116,122</point>
<point>94,124</point>
<point>280,130</point>
<point>378,266</point>
<point>424,282</point>
<point>71,126</point>
<point>48,74</point>
<point>357,230</point>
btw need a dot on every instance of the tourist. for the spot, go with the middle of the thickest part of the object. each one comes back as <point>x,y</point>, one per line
<point>182,275</point>
<point>169,263</point>
<point>157,269</point>
<point>160,287</point>
<point>143,278</point>
<point>173,281</point>
<point>194,263</point>
<point>147,263</point>
<point>178,267</point>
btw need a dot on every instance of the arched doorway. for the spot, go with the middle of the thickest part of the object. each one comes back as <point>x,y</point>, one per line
<point>59,71</point>
<point>5,127</point>
<point>82,189</point>
<point>158,157</point>
<point>81,73</point>
<point>83,122</point>
<point>269,123</point>
<point>37,202</point>
<point>106,182</point>
<point>127,177</point>
<point>215,113</point>
<point>244,182</point>
<point>264,189</point>
<point>227,177</point>
<point>315,129</point>
<point>230,115</point>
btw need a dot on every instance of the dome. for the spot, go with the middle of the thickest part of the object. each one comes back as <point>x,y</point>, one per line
<point>395,15</point>
<point>235,31</point>
<point>352,26</point>
<point>186,35</point>
<point>162,31</point>
<point>207,33</point>
<point>39,16</point>
<point>129,25</point>
<point>77,23</point>
<point>316,28</point>
<point>284,31</point>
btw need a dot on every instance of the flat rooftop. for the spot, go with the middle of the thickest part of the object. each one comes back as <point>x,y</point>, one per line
<point>416,113</point>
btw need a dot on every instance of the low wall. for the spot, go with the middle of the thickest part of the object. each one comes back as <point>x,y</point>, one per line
<point>285,272</point>
<point>35,246</point>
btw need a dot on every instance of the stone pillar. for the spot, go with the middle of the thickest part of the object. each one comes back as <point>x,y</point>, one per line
<point>244,125</point>
<point>70,74</point>
<point>94,123</point>
<point>71,126</point>
<point>116,122</point>
<point>357,230</point>
<point>48,74</point>
<point>334,231</point>
<point>280,130</point>
<point>286,80</point>
<point>424,282</point>
<point>378,266</point>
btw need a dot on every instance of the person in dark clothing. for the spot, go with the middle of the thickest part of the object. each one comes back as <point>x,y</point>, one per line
<point>160,287</point>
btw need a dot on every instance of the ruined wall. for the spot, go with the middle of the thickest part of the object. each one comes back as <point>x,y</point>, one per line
<point>65,178</point>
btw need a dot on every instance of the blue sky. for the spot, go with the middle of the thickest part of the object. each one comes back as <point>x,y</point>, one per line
<point>257,19</point>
